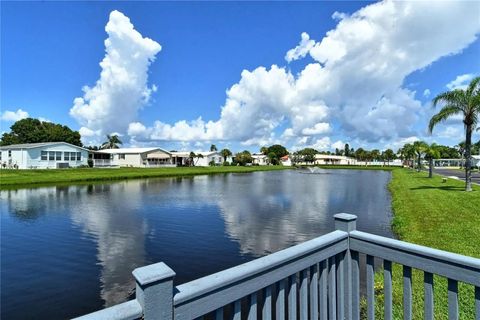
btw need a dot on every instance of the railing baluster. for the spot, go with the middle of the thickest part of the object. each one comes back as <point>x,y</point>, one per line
<point>340,286</point>
<point>237,310</point>
<point>332,289</point>
<point>323,290</point>
<point>252,312</point>
<point>477,302</point>
<point>292,298</point>
<point>303,295</point>
<point>370,289</point>
<point>428,295</point>
<point>355,285</point>
<point>314,292</point>
<point>219,314</point>
<point>267,305</point>
<point>452,299</point>
<point>407,293</point>
<point>387,285</point>
<point>280,303</point>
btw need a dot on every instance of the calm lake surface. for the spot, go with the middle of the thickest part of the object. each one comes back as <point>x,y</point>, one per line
<point>70,250</point>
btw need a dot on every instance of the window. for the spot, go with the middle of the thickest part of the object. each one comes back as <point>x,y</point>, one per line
<point>44,155</point>
<point>0,155</point>
<point>79,156</point>
<point>73,156</point>
<point>121,156</point>
<point>66,156</point>
<point>9,153</point>
<point>58,155</point>
<point>51,155</point>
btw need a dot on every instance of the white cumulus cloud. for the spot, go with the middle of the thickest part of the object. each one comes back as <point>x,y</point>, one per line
<point>356,81</point>
<point>12,116</point>
<point>460,82</point>
<point>426,93</point>
<point>122,89</point>
<point>301,50</point>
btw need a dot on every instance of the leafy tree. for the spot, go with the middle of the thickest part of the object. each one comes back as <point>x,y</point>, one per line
<point>264,150</point>
<point>388,155</point>
<point>225,154</point>
<point>213,147</point>
<point>279,150</point>
<point>346,150</point>
<point>466,103</point>
<point>375,154</point>
<point>32,130</point>
<point>112,142</point>
<point>244,157</point>
<point>360,154</point>
<point>308,154</point>
<point>272,158</point>
<point>431,152</point>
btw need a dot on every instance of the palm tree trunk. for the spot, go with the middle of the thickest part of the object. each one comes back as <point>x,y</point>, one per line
<point>430,169</point>
<point>468,159</point>
<point>419,165</point>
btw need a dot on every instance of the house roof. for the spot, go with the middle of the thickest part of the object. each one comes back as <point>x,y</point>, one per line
<point>37,145</point>
<point>131,150</point>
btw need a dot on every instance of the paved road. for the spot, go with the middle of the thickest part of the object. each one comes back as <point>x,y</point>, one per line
<point>458,173</point>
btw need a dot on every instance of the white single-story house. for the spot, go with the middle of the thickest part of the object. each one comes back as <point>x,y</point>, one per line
<point>182,158</point>
<point>132,157</point>
<point>323,159</point>
<point>286,161</point>
<point>208,157</point>
<point>260,159</point>
<point>43,155</point>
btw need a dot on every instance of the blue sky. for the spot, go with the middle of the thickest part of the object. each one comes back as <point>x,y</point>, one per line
<point>51,50</point>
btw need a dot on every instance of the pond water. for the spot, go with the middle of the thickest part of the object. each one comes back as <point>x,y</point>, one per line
<point>70,250</point>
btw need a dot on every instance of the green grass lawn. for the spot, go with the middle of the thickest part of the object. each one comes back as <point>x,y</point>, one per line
<point>26,178</point>
<point>439,215</point>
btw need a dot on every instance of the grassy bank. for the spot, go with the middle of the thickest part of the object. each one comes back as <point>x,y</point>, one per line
<point>438,215</point>
<point>27,178</point>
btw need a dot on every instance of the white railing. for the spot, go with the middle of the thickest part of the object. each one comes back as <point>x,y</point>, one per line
<point>104,163</point>
<point>318,279</point>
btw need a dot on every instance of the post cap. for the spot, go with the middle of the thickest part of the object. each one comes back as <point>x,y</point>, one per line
<point>153,273</point>
<point>345,217</point>
<point>345,222</point>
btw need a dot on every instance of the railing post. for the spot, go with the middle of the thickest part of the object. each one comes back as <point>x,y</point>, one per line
<point>348,222</point>
<point>154,291</point>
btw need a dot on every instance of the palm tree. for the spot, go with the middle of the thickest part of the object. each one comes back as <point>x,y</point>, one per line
<point>225,154</point>
<point>467,103</point>
<point>419,148</point>
<point>264,150</point>
<point>190,158</point>
<point>431,152</point>
<point>198,156</point>
<point>407,152</point>
<point>112,142</point>
<point>213,147</point>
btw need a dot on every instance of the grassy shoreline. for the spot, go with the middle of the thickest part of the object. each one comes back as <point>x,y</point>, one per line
<point>13,179</point>
<point>438,215</point>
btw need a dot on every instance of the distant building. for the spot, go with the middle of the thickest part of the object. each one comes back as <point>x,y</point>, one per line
<point>286,161</point>
<point>324,159</point>
<point>260,159</point>
<point>132,157</point>
<point>43,155</point>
